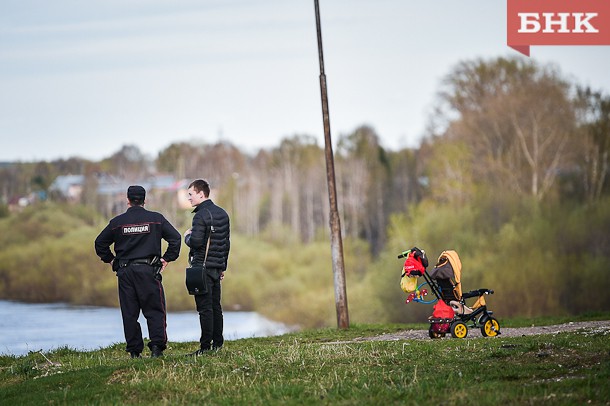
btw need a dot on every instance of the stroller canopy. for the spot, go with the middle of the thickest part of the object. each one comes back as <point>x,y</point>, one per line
<point>449,267</point>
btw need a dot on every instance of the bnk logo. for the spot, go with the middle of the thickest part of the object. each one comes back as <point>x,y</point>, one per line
<point>557,22</point>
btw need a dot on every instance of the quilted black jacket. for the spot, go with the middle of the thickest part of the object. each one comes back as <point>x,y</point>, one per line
<point>210,220</point>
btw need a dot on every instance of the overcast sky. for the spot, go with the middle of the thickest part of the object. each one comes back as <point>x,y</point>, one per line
<point>83,78</point>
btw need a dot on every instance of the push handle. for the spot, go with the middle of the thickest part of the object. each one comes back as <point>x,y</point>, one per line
<point>404,254</point>
<point>477,292</point>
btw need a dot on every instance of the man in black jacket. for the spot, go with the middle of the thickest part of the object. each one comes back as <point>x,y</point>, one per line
<point>137,261</point>
<point>209,242</point>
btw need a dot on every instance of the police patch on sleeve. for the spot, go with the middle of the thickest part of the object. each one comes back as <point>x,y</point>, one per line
<point>132,229</point>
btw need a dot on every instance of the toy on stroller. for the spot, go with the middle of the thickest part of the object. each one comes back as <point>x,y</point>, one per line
<point>450,314</point>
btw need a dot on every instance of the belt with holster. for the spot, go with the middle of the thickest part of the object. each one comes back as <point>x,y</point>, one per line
<point>139,261</point>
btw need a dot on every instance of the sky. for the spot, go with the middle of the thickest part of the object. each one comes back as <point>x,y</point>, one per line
<point>84,78</point>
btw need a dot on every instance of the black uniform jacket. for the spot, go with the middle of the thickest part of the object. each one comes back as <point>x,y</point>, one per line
<point>210,220</point>
<point>137,233</point>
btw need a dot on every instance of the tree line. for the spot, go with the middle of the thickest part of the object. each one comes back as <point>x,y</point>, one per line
<point>507,124</point>
<point>514,154</point>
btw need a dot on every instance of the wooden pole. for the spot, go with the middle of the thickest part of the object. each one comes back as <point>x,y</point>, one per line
<point>336,244</point>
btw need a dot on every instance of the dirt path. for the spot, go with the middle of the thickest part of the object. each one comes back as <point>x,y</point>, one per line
<point>592,326</point>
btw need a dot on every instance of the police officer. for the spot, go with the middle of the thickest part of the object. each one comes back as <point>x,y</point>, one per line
<point>137,261</point>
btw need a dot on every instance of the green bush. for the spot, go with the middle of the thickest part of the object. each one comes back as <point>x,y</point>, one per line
<point>539,260</point>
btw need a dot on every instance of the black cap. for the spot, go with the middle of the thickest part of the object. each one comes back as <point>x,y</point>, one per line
<point>136,193</point>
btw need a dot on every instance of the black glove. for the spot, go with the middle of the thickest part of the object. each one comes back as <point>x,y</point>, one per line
<point>420,255</point>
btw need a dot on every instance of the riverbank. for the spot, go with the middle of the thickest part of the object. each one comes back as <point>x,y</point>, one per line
<point>43,327</point>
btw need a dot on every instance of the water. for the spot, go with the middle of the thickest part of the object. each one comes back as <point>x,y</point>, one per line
<point>28,327</point>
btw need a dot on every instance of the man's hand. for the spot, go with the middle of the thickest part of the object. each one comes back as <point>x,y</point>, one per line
<point>164,264</point>
<point>222,275</point>
<point>187,232</point>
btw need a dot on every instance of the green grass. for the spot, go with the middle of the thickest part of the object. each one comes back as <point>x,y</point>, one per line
<point>324,367</point>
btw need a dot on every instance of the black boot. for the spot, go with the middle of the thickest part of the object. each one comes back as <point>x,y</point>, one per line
<point>156,351</point>
<point>198,353</point>
<point>135,354</point>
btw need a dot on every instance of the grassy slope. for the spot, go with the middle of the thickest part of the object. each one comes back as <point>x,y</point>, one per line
<point>324,367</point>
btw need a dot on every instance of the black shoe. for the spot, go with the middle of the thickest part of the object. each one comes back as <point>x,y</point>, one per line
<point>198,353</point>
<point>135,354</point>
<point>155,351</point>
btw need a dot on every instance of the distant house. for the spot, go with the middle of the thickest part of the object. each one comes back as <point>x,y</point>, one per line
<point>16,203</point>
<point>111,190</point>
<point>68,187</point>
<point>113,186</point>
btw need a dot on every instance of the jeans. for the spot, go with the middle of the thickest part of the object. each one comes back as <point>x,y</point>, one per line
<point>210,313</point>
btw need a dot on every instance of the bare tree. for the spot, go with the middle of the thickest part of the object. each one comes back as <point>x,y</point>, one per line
<point>594,120</point>
<point>365,172</point>
<point>128,163</point>
<point>516,117</point>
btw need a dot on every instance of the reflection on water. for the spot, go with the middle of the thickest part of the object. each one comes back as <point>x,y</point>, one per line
<point>33,327</point>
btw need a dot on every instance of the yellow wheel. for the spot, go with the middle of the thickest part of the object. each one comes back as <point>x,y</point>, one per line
<point>490,328</point>
<point>458,329</point>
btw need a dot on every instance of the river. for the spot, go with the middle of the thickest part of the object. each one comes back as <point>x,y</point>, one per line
<point>33,327</point>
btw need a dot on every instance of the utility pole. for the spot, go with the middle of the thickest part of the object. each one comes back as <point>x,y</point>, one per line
<point>336,243</point>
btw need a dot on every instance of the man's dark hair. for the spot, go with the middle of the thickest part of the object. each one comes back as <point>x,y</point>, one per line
<point>136,202</point>
<point>201,185</point>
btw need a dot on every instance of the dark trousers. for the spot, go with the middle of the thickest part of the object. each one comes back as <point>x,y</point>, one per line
<point>210,313</point>
<point>140,289</point>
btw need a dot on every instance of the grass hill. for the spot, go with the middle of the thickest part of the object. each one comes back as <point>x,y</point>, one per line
<point>325,366</point>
